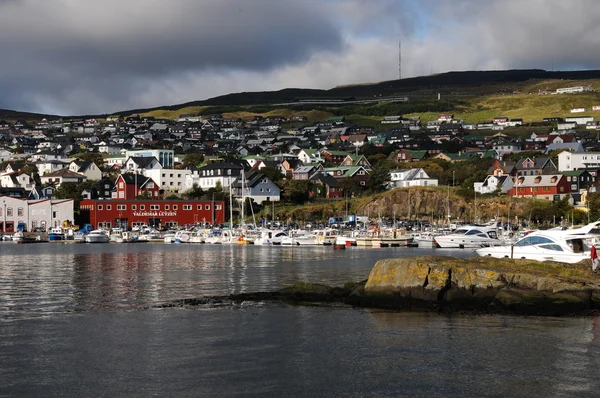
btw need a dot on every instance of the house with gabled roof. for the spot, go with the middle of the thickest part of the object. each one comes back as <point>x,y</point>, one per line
<point>220,173</point>
<point>535,166</point>
<point>333,156</point>
<point>542,186</point>
<point>492,183</point>
<point>356,160</point>
<point>308,156</point>
<point>416,177</point>
<point>325,186</point>
<point>130,185</point>
<point>59,177</point>
<point>306,171</point>
<point>407,155</point>
<point>87,168</point>
<point>358,173</point>
<point>256,186</point>
<point>102,189</point>
<point>139,163</point>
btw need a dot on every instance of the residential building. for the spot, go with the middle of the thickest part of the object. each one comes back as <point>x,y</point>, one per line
<point>131,185</point>
<point>549,187</point>
<point>214,174</point>
<point>164,156</point>
<point>87,168</point>
<point>416,177</point>
<point>256,186</point>
<point>569,161</point>
<point>59,177</point>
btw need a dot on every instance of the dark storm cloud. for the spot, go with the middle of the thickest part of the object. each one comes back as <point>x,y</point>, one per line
<point>55,47</point>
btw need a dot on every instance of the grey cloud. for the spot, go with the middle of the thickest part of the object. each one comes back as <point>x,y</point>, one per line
<point>109,46</point>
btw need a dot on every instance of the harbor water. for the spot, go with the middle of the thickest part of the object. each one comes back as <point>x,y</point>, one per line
<point>85,320</point>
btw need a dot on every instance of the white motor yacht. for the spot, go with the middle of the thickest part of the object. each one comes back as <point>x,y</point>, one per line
<point>97,236</point>
<point>562,245</point>
<point>469,236</point>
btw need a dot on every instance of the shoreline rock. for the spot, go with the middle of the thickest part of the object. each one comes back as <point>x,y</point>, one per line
<point>479,285</point>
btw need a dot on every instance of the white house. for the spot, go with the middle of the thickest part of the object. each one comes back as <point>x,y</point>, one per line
<point>17,180</point>
<point>87,168</point>
<point>568,161</point>
<point>139,164</point>
<point>173,180</point>
<point>307,156</point>
<point>59,177</point>
<point>223,174</point>
<point>165,156</point>
<point>493,183</point>
<point>572,90</point>
<point>580,120</point>
<point>50,166</point>
<point>411,178</point>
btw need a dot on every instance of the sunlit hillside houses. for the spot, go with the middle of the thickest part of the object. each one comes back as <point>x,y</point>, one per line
<point>416,177</point>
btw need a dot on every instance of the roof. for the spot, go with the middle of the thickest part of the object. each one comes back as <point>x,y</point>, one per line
<point>539,180</point>
<point>134,179</point>
<point>325,179</point>
<point>143,161</point>
<point>64,173</point>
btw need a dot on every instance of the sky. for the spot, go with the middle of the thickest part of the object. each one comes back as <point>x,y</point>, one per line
<point>74,57</point>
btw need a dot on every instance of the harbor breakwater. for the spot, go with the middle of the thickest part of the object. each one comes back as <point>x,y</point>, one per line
<point>449,284</point>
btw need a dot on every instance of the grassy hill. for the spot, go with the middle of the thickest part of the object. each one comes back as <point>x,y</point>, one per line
<point>473,95</point>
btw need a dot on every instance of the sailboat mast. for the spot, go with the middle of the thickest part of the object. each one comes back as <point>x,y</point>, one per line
<point>230,207</point>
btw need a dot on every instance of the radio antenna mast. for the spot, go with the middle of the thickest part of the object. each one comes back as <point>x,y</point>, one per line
<point>400,59</point>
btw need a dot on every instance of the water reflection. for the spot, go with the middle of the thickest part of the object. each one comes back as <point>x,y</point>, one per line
<point>47,278</point>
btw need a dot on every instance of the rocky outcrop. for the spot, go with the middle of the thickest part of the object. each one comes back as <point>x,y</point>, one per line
<point>482,284</point>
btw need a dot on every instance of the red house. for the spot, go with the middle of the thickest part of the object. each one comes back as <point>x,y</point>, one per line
<point>550,187</point>
<point>155,213</point>
<point>129,186</point>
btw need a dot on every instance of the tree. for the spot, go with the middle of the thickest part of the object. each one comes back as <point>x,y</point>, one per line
<point>95,157</point>
<point>296,191</point>
<point>195,192</point>
<point>272,173</point>
<point>380,176</point>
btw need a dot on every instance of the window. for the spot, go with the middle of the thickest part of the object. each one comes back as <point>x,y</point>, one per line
<point>175,207</point>
<point>121,207</point>
<point>133,207</point>
<point>154,207</point>
<point>142,207</point>
<point>9,211</point>
<point>108,207</point>
<point>167,207</point>
<point>20,212</point>
<point>187,207</point>
<point>121,185</point>
<point>207,207</point>
<point>99,207</point>
<point>218,207</point>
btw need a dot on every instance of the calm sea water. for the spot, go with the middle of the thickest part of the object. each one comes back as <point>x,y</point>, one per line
<point>75,321</point>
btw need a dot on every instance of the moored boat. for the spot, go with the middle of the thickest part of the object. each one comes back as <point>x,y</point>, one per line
<point>97,236</point>
<point>561,245</point>
<point>469,236</point>
<point>56,233</point>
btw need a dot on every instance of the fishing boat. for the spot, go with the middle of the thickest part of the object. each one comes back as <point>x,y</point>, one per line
<point>557,244</point>
<point>56,233</point>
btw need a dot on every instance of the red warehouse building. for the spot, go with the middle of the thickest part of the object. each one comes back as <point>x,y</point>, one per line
<point>155,213</point>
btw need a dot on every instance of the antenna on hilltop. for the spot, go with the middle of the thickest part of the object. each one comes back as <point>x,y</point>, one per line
<point>400,59</point>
